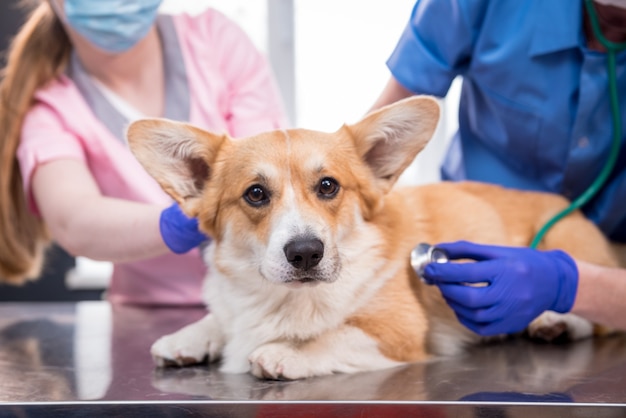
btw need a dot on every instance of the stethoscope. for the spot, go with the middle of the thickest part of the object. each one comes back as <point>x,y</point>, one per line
<point>612,48</point>
<point>424,254</point>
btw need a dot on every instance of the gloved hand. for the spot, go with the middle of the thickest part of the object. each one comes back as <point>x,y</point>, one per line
<point>522,284</point>
<point>179,232</point>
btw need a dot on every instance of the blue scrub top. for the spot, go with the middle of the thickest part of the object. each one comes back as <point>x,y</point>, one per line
<point>534,110</point>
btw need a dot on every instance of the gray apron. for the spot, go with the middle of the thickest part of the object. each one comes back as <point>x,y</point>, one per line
<point>177,100</point>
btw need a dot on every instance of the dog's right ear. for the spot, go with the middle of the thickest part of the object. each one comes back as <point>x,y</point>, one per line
<point>177,155</point>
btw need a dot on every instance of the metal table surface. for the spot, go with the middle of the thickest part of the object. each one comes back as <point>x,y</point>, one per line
<point>92,359</point>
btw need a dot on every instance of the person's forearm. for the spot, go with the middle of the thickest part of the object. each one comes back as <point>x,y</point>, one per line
<point>86,223</point>
<point>113,230</point>
<point>601,294</point>
<point>392,92</point>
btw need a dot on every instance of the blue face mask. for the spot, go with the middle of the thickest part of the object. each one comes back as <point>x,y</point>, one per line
<point>112,25</point>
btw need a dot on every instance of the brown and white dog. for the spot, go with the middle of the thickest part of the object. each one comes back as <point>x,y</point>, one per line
<point>309,262</point>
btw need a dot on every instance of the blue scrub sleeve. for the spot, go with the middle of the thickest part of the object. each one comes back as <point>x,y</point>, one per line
<point>436,45</point>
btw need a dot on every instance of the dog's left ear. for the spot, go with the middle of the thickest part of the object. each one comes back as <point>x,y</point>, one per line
<point>178,156</point>
<point>389,139</point>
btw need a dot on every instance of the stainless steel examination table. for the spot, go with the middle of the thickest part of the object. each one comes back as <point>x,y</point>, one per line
<point>92,359</point>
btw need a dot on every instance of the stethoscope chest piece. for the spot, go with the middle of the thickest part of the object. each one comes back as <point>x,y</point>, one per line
<point>424,254</point>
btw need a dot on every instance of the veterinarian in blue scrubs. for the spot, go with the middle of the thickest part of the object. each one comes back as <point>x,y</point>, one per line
<point>534,114</point>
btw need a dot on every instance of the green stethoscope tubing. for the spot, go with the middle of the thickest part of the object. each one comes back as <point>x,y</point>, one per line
<point>612,49</point>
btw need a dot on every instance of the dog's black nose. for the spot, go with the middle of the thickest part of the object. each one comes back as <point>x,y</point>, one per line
<point>304,254</point>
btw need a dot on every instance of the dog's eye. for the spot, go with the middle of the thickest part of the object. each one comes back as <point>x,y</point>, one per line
<point>328,187</point>
<point>256,195</point>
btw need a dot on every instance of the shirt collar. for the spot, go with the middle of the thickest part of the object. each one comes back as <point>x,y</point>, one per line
<point>558,26</point>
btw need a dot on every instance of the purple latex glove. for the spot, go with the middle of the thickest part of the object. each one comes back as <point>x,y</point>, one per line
<point>179,232</point>
<point>522,284</point>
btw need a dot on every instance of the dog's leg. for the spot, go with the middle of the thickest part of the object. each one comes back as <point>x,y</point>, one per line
<point>344,350</point>
<point>550,326</point>
<point>189,345</point>
<point>581,239</point>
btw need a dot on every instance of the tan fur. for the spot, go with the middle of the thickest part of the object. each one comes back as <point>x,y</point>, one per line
<point>470,211</point>
<point>368,230</point>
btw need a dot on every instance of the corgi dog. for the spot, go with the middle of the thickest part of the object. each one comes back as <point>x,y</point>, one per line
<point>309,259</point>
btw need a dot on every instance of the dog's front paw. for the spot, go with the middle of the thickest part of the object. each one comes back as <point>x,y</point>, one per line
<point>172,351</point>
<point>552,326</point>
<point>192,344</point>
<point>279,361</point>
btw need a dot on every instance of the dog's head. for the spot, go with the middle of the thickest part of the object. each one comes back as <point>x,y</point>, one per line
<point>285,204</point>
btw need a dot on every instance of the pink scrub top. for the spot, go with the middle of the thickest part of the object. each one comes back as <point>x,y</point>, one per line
<point>230,89</point>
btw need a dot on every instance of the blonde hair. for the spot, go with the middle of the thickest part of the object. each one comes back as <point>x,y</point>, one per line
<point>37,55</point>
